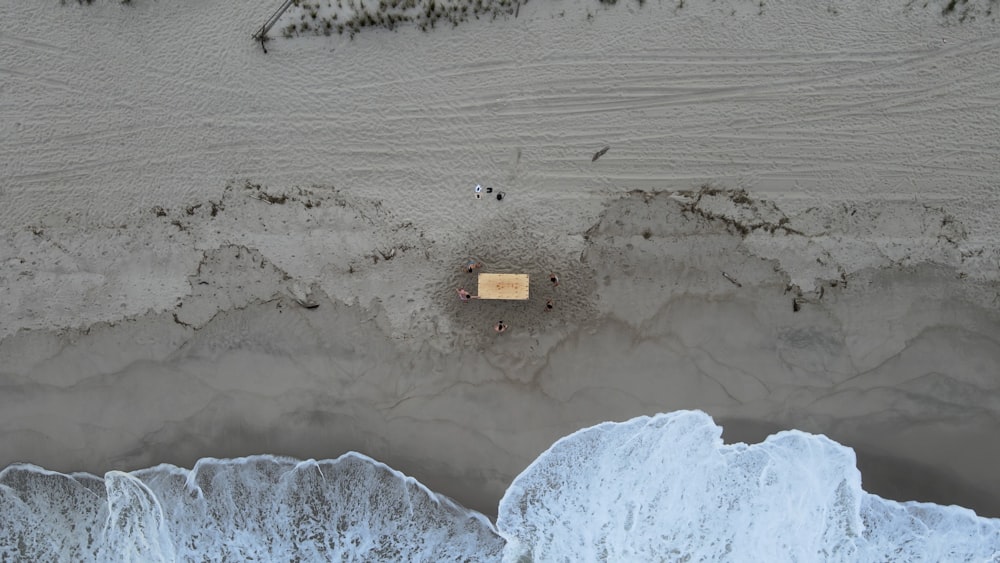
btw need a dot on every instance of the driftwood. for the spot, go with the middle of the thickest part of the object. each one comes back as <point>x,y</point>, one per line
<point>268,198</point>
<point>731,280</point>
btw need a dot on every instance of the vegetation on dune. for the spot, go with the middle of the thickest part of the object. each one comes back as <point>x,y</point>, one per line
<point>325,17</point>
<point>388,14</point>
<point>89,2</point>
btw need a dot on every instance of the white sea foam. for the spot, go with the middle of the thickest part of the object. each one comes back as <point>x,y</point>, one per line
<point>259,508</point>
<point>649,489</point>
<point>667,487</point>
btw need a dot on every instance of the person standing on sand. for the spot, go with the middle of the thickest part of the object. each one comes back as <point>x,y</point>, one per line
<point>554,279</point>
<point>500,327</point>
<point>549,305</point>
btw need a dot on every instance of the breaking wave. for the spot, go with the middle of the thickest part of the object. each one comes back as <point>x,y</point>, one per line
<point>260,508</point>
<point>652,488</point>
<point>667,488</point>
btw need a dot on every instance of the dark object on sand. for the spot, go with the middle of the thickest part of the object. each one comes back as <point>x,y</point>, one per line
<point>500,196</point>
<point>797,304</point>
<point>304,297</point>
<point>600,153</point>
<point>307,303</point>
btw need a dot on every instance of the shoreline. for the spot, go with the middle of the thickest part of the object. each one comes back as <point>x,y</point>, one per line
<point>466,422</point>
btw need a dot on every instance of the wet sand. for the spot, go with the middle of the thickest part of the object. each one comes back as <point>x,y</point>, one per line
<point>789,230</point>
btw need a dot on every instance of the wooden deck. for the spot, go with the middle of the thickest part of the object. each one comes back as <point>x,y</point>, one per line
<point>503,286</point>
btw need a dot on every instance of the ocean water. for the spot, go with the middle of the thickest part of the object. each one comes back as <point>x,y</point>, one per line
<point>661,488</point>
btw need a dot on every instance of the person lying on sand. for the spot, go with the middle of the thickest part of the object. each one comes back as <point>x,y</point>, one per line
<point>465,295</point>
<point>500,327</point>
<point>472,265</point>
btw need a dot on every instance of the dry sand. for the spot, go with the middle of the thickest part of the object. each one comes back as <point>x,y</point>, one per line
<point>795,226</point>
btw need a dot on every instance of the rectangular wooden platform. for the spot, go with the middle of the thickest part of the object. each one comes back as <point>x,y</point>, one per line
<point>503,286</point>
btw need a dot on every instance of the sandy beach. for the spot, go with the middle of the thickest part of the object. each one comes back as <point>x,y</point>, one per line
<point>794,226</point>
